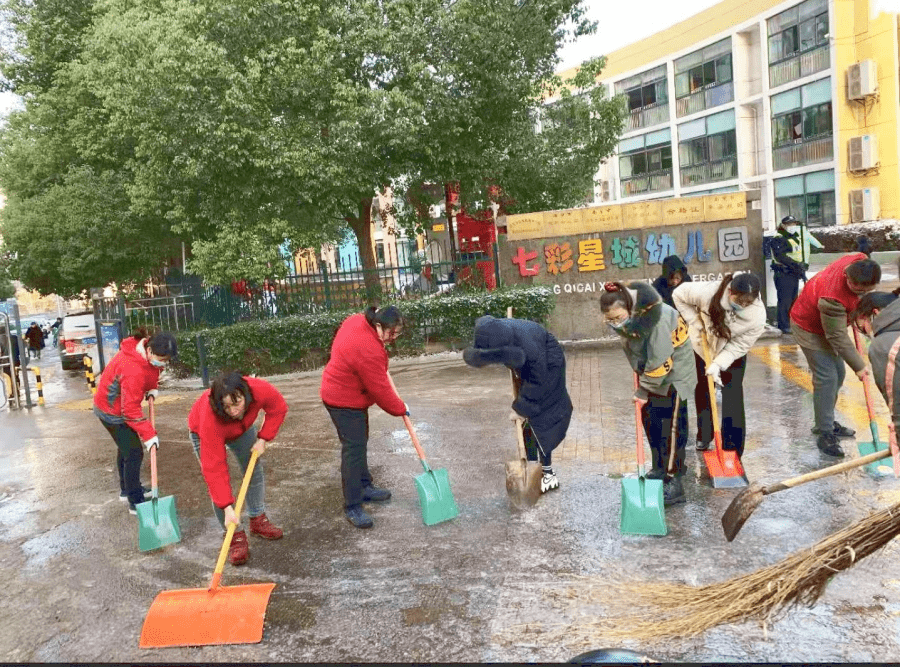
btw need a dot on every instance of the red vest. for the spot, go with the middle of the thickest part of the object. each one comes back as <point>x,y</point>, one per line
<point>830,283</point>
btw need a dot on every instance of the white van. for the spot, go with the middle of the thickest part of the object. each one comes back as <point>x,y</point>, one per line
<point>77,337</point>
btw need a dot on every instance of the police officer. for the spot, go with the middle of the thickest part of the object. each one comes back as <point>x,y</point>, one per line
<point>790,260</point>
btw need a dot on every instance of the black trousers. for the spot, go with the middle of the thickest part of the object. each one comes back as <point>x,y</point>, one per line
<point>533,450</point>
<point>787,287</point>
<point>733,418</point>
<point>352,427</point>
<point>656,415</point>
<point>128,460</point>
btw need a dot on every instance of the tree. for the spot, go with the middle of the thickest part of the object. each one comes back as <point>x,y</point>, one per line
<point>235,125</point>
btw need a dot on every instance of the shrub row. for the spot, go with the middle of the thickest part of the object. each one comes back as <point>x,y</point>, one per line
<point>301,342</point>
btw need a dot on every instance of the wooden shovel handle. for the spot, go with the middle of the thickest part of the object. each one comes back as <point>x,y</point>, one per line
<point>869,408</point>
<point>414,438</point>
<point>713,406</point>
<point>826,472</point>
<point>223,552</point>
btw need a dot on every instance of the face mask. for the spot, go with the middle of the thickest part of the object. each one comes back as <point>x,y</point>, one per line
<point>157,363</point>
<point>620,325</point>
<point>735,306</point>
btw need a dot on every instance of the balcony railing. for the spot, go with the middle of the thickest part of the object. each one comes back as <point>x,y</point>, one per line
<point>648,116</point>
<point>801,154</point>
<point>709,172</point>
<point>799,66</point>
<point>705,99</point>
<point>655,182</point>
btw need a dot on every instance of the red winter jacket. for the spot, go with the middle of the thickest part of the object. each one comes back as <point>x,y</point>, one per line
<point>356,376</point>
<point>829,283</point>
<point>123,384</point>
<point>214,432</point>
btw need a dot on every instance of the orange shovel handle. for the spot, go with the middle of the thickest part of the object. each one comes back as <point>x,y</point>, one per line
<point>639,433</point>
<point>223,552</point>
<point>414,438</point>
<point>869,408</point>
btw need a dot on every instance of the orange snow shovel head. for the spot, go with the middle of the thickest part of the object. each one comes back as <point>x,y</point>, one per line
<point>725,469</point>
<point>214,615</point>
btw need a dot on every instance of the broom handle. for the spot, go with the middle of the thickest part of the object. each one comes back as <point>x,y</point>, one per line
<point>153,482</point>
<point>826,472</point>
<point>871,410</point>
<point>639,434</point>
<point>713,406</point>
<point>223,552</point>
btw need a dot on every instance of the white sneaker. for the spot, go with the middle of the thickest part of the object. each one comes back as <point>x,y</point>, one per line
<point>549,482</point>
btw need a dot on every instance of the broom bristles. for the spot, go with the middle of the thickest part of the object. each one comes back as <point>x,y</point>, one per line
<point>676,610</point>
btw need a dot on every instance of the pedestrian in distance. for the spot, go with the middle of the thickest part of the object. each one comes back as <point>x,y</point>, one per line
<point>222,419</point>
<point>655,340</point>
<point>355,378</point>
<point>674,272</point>
<point>538,364</point>
<point>54,329</point>
<point>130,377</point>
<point>733,317</point>
<point>819,320</point>
<point>35,338</point>
<point>863,245</point>
<point>878,316</point>
<point>791,248</point>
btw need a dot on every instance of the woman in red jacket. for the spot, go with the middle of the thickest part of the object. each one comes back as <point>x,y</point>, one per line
<point>132,375</point>
<point>224,416</point>
<point>356,377</point>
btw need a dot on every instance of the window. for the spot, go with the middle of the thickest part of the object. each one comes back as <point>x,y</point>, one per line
<point>707,149</point>
<point>802,125</point>
<point>798,42</point>
<point>647,96</point>
<point>645,163</point>
<point>807,197</point>
<point>708,69</point>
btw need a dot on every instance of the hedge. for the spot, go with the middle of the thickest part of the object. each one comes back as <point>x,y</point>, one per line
<point>301,342</point>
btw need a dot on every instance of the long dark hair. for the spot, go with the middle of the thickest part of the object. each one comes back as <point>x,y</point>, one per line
<point>230,384</point>
<point>742,283</point>
<point>161,343</point>
<point>614,293</point>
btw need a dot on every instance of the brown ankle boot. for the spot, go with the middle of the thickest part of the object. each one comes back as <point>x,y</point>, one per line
<point>240,548</point>
<point>260,525</point>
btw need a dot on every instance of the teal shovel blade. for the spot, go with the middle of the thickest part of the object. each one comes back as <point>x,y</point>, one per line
<point>435,497</point>
<point>643,512</point>
<point>876,468</point>
<point>157,523</point>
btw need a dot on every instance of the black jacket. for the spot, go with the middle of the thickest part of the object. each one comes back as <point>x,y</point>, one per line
<point>537,356</point>
<point>780,247</point>
<point>671,264</point>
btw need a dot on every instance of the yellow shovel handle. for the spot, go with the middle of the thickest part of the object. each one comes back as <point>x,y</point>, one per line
<point>713,406</point>
<point>229,533</point>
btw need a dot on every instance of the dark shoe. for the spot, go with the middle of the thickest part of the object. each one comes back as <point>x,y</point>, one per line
<point>260,525</point>
<point>131,508</point>
<point>148,494</point>
<point>656,473</point>
<point>703,446</point>
<point>372,494</point>
<point>239,551</point>
<point>842,431</point>
<point>673,491</point>
<point>358,517</point>
<point>828,444</point>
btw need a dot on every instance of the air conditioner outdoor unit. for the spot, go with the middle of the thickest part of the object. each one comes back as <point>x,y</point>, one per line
<point>604,190</point>
<point>863,152</point>
<point>862,80</point>
<point>864,205</point>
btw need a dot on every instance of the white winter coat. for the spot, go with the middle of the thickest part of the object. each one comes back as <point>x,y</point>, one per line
<point>692,301</point>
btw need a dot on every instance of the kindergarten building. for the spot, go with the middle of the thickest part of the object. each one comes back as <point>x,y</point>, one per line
<point>798,100</point>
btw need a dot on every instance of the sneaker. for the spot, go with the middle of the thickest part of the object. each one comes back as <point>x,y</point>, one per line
<point>828,444</point>
<point>260,525</point>
<point>703,446</point>
<point>673,491</point>
<point>148,494</point>
<point>549,482</point>
<point>131,508</point>
<point>358,517</point>
<point>239,551</point>
<point>839,430</point>
<point>656,473</point>
<point>372,494</point>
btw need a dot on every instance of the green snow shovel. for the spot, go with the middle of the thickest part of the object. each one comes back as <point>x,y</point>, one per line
<point>643,511</point>
<point>876,469</point>
<point>157,519</point>
<point>433,487</point>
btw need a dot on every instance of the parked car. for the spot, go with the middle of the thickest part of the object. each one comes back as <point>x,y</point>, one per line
<point>77,337</point>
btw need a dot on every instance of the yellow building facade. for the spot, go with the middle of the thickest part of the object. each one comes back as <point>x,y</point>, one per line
<point>797,99</point>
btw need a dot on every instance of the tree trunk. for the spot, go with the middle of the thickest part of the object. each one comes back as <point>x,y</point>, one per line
<point>362,227</point>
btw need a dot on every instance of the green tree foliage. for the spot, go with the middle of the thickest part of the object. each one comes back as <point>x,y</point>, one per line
<point>237,124</point>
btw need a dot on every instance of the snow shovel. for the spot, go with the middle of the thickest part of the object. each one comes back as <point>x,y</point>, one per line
<point>748,499</point>
<point>157,518</point>
<point>643,510</point>
<point>865,448</point>
<point>523,477</point>
<point>433,486</point>
<point>725,469</point>
<point>217,615</point>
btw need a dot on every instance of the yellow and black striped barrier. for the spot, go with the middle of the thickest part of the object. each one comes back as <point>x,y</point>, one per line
<point>38,383</point>
<point>89,373</point>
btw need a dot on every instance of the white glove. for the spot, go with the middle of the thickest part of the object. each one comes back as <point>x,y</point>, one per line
<point>407,409</point>
<point>153,393</point>
<point>716,373</point>
<point>152,442</point>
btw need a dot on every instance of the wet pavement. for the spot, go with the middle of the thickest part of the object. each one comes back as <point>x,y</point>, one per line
<point>492,585</point>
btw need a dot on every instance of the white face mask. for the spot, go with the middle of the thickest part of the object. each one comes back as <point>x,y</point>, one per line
<point>792,229</point>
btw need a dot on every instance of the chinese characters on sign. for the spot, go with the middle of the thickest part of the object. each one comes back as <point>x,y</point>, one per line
<point>734,244</point>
